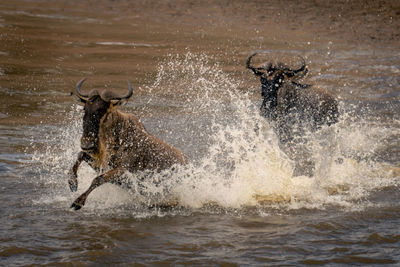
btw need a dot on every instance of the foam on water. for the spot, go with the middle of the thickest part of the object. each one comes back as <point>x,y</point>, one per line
<point>240,166</point>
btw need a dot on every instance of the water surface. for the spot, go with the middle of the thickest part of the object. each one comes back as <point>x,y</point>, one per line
<point>237,202</point>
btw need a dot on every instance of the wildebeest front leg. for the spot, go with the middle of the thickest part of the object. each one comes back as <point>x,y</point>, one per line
<point>111,176</point>
<point>73,174</point>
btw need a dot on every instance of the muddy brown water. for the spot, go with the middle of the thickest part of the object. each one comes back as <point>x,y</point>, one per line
<point>237,202</point>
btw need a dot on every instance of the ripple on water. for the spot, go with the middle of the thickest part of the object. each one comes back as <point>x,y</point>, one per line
<point>238,201</point>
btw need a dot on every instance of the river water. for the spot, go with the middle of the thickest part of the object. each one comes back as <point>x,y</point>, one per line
<point>237,202</point>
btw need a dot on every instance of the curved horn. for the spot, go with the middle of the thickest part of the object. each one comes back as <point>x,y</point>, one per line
<point>130,93</point>
<point>109,95</point>
<point>78,89</point>
<point>260,70</point>
<point>302,68</point>
<point>303,65</point>
<point>248,61</point>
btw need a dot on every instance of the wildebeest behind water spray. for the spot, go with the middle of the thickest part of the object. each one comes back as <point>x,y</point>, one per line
<point>295,108</point>
<point>116,142</point>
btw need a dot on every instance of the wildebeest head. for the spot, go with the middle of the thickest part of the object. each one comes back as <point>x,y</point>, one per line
<point>96,106</point>
<point>273,76</point>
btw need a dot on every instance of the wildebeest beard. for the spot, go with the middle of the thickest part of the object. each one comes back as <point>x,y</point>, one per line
<point>296,109</point>
<point>95,109</point>
<point>120,140</point>
<point>269,93</point>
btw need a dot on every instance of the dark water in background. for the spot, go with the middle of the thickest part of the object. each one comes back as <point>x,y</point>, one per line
<point>238,203</point>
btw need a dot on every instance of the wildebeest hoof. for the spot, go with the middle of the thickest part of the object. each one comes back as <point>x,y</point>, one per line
<point>76,206</point>
<point>73,184</point>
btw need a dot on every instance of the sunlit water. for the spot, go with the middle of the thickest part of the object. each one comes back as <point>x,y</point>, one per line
<point>237,202</point>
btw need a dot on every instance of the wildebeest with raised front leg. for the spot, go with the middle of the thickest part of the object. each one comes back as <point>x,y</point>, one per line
<point>116,142</point>
<point>294,107</point>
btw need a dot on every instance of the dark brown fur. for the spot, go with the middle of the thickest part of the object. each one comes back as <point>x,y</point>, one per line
<point>118,144</point>
<point>305,108</point>
<point>294,108</point>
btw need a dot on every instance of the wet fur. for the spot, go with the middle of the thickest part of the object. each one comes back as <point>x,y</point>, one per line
<point>294,108</point>
<point>121,144</point>
<point>123,141</point>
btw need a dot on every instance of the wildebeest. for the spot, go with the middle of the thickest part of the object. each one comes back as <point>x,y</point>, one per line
<point>295,108</point>
<point>116,142</point>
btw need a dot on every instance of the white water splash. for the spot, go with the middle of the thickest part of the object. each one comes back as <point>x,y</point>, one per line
<point>232,165</point>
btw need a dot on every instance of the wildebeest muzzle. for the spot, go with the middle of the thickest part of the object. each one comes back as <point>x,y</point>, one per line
<point>89,143</point>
